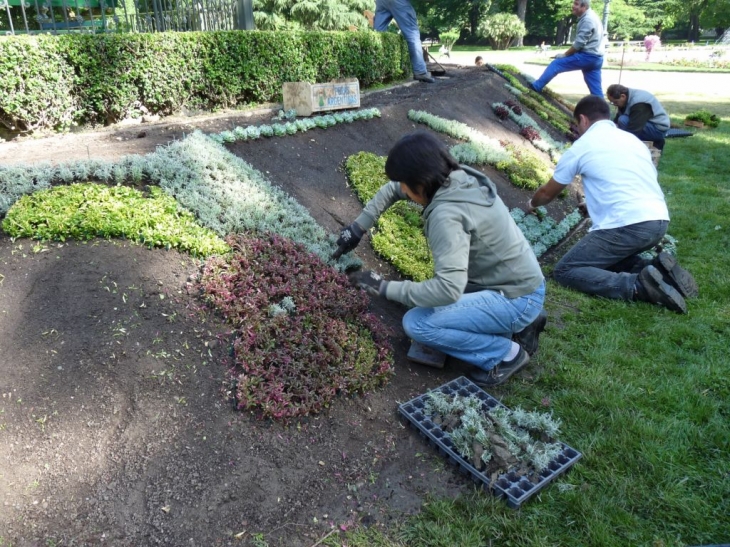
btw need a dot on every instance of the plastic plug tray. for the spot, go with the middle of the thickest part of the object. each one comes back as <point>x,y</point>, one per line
<point>514,488</point>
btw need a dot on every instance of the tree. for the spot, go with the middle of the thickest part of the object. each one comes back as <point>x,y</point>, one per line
<point>448,38</point>
<point>501,28</point>
<point>311,14</point>
<point>460,14</point>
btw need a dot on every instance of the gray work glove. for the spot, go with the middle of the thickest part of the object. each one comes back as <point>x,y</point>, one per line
<point>370,282</point>
<point>349,238</point>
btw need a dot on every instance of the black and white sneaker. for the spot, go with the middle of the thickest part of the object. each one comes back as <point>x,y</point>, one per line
<point>502,372</point>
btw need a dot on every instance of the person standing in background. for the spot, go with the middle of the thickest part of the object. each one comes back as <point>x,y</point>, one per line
<point>405,16</point>
<point>586,53</point>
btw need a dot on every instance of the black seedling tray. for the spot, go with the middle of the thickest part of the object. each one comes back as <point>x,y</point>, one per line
<point>515,488</point>
<point>677,133</point>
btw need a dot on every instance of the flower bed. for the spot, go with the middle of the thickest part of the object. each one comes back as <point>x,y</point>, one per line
<point>295,349</point>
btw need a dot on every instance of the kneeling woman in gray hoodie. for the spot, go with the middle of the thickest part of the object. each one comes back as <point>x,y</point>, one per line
<point>487,284</point>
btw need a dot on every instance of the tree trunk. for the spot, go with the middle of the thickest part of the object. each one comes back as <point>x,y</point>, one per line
<point>694,27</point>
<point>563,32</point>
<point>521,13</point>
<point>474,18</point>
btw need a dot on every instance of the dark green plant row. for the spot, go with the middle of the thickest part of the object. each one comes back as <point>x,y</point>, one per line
<point>54,82</point>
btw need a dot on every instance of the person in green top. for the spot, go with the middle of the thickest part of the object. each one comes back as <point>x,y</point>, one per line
<point>487,284</point>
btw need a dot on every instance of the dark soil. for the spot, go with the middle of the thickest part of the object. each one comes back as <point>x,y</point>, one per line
<point>116,426</point>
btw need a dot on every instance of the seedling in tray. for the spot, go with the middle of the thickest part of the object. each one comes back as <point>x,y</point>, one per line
<point>513,452</point>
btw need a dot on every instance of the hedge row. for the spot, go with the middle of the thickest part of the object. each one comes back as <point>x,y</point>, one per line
<point>53,82</point>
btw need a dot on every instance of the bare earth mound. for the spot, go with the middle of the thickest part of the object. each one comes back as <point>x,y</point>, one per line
<point>116,427</point>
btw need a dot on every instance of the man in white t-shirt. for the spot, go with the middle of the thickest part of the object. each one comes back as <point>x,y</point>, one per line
<point>629,216</point>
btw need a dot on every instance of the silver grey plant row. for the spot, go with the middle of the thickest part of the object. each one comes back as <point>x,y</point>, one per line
<point>543,231</point>
<point>224,192</point>
<point>291,127</point>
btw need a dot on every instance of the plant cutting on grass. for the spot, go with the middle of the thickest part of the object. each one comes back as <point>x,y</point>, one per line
<point>512,452</point>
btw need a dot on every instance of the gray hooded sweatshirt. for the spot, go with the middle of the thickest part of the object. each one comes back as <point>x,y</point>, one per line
<point>474,241</point>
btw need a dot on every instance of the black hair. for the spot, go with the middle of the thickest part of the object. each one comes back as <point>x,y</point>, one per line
<point>592,107</point>
<point>421,162</point>
<point>615,91</point>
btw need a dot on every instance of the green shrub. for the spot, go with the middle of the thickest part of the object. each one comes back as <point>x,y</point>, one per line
<point>36,85</point>
<point>86,211</point>
<point>399,236</point>
<point>501,28</point>
<point>106,78</point>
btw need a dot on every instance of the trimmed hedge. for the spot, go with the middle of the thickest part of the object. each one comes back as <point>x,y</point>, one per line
<point>53,82</point>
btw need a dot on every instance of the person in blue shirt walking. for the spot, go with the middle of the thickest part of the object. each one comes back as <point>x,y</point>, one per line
<point>404,14</point>
<point>585,54</point>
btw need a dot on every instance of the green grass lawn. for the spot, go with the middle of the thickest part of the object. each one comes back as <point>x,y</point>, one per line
<point>644,393</point>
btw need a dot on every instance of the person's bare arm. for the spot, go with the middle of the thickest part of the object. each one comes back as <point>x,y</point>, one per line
<point>544,195</point>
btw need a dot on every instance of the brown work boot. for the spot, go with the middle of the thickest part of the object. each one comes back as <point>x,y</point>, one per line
<point>676,276</point>
<point>653,288</point>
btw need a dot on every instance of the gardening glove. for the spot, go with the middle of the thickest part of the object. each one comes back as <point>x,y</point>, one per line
<point>349,238</point>
<point>559,55</point>
<point>370,282</point>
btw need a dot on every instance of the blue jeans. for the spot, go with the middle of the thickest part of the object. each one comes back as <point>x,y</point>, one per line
<point>607,262</point>
<point>648,133</point>
<point>405,16</point>
<point>477,328</point>
<point>589,63</point>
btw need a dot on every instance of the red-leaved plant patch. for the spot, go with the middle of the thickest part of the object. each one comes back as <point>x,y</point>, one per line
<point>514,106</point>
<point>302,335</point>
<point>530,133</point>
<point>501,112</point>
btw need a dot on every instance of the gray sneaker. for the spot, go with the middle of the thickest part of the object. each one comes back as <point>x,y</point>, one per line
<point>424,77</point>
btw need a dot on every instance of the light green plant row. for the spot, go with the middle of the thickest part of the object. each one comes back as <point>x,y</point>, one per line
<point>253,132</point>
<point>535,101</point>
<point>229,196</point>
<point>546,143</point>
<point>225,193</point>
<point>399,231</point>
<point>524,170</point>
<point>86,211</point>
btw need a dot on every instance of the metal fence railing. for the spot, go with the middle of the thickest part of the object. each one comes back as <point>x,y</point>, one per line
<point>99,16</point>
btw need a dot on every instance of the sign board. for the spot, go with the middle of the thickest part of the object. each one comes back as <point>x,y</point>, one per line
<point>309,99</point>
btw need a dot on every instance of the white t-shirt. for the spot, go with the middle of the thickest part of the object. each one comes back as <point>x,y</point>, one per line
<point>619,178</point>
